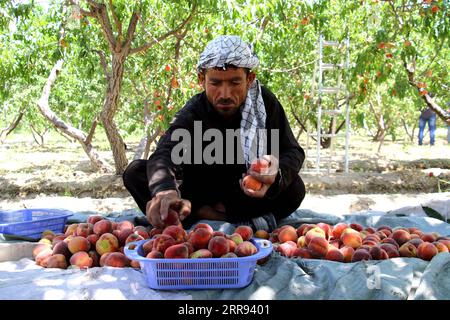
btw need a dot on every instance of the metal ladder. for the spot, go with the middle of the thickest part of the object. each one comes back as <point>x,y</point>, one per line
<point>337,90</point>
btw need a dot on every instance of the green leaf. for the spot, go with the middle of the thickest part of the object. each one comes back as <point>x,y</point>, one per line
<point>433,213</point>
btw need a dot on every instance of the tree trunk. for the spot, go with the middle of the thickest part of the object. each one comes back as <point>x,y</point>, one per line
<point>109,110</point>
<point>71,131</point>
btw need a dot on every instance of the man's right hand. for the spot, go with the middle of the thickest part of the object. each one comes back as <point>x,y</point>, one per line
<point>158,208</point>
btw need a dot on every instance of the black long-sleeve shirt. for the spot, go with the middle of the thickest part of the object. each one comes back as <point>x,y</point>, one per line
<point>208,182</point>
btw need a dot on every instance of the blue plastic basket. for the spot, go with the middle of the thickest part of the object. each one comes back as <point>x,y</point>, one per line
<point>198,273</point>
<point>30,223</point>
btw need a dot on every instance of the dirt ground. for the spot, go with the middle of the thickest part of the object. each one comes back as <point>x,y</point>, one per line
<point>59,171</point>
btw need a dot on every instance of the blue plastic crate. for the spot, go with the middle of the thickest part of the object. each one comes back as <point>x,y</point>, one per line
<point>199,273</point>
<point>30,223</point>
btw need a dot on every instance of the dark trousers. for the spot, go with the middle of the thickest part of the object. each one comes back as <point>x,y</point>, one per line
<point>239,207</point>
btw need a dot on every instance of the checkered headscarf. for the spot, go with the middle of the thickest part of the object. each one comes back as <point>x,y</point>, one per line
<point>232,50</point>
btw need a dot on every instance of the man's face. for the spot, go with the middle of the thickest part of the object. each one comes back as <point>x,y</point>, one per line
<point>226,89</point>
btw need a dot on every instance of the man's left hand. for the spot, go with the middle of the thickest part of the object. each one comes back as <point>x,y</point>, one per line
<point>264,170</point>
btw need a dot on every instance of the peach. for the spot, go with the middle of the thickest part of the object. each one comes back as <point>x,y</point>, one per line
<point>428,237</point>
<point>356,226</point>
<point>177,233</point>
<point>373,237</point>
<point>365,247</point>
<point>351,237</point>
<point>303,229</point>
<point>43,256</point>
<point>381,234</point>
<point>318,247</point>
<point>262,234</point>
<point>154,231</point>
<point>103,226</point>
<point>218,246</point>
<point>95,258</point>
<point>117,260</point>
<point>245,249</point>
<point>334,254</point>
<point>338,229</point>
<point>45,241</point>
<point>133,238</point>
<point>384,228</point>
<point>335,243</point>
<point>301,242</point>
<point>287,248</point>
<point>260,165</point>
<point>125,225</point>
<point>232,244</point>
<point>229,255</point>
<point>369,243</point>
<point>190,247</point>
<point>401,236</point>
<point>236,238</point>
<point>370,230</point>
<point>427,251</point>
<point>218,234</point>
<point>360,255</point>
<point>79,244</point>
<point>103,257</point>
<point>135,264</point>
<point>147,247</point>
<point>71,229</point>
<point>414,236</point>
<point>446,242</point>
<point>200,238</point>
<point>201,253</point>
<point>142,231</point>
<point>93,219</point>
<point>81,260</point>
<point>58,238</point>
<point>84,229</point>
<point>57,261</point>
<point>302,253</point>
<point>390,241</point>
<point>313,233</point>
<point>177,251</point>
<point>62,248</point>
<point>205,226</point>
<point>122,235</point>
<point>391,250</point>
<point>347,252</point>
<point>162,241</point>
<point>39,248</point>
<point>155,254</point>
<point>326,228</point>
<point>288,234</point>
<point>245,231</point>
<point>172,219</point>
<point>250,182</point>
<point>376,253</point>
<point>106,243</point>
<point>408,250</point>
<point>416,242</point>
<point>440,246</point>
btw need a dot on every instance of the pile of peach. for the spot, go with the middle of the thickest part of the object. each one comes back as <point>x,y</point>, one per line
<point>100,242</point>
<point>353,242</point>
<point>201,242</point>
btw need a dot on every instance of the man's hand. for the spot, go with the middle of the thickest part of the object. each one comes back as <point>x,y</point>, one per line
<point>157,210</point>
<point>264,170</point>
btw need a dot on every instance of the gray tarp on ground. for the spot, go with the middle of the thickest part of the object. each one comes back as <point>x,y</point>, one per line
<point>280,278</point>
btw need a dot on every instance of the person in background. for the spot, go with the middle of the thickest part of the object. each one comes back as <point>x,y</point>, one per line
<point>427,116</point>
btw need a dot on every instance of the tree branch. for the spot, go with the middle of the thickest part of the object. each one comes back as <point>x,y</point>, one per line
<point>131,29</point>
<point>116,19</point>
<point>147,45</point>
<point>82,11</point>
<point>103,63</point>
<point>102,15</point>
